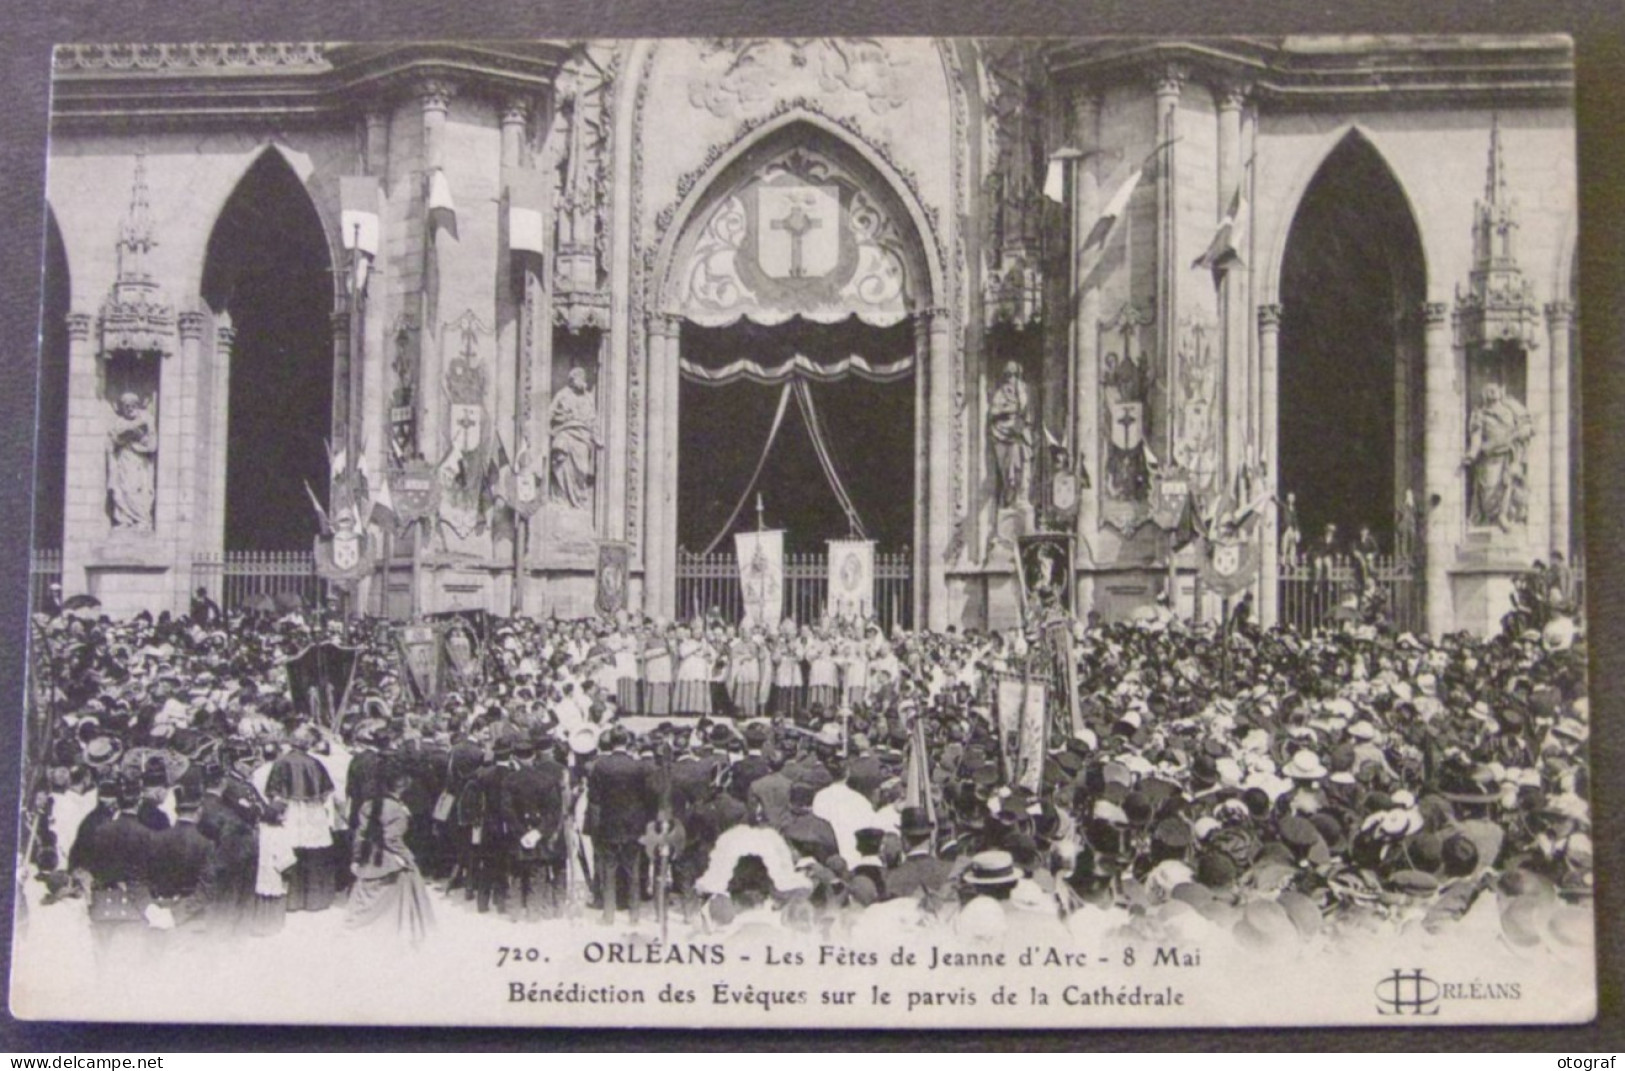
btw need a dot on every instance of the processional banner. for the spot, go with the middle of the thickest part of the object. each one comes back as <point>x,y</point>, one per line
<point>851,579</point>
<point>761,575</point>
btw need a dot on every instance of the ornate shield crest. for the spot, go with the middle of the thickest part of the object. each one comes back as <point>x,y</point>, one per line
<point>1128,424</point>
<point>1063,493</point>
<point>343,556</point>
<point>346,550</point>
<point>1168,497</point>
<point>415,489</point>
<point>527,492</point>
<point>798,231</point>
<point>1230,565</point>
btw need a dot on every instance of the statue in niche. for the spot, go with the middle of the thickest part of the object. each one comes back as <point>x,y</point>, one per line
<point>1009,425</point>
<point>132,462</point>
<point>572,425</point>
<point>1498,434</point>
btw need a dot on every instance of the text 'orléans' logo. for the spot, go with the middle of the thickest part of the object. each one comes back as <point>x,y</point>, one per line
<point>1408,993</point>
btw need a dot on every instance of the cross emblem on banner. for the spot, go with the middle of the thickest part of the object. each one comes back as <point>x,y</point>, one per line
<point>1127,421</point>
<point>797,225</point>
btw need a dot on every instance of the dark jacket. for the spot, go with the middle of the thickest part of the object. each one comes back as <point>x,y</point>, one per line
<point>621,800</point>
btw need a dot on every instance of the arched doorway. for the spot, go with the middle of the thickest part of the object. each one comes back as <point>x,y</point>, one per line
<point>797,283</point>
<point>51,434</point>
<point>1353,280</point>
<point>270,270</point>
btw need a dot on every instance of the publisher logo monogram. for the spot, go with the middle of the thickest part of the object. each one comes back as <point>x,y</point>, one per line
<point>1407,993</point>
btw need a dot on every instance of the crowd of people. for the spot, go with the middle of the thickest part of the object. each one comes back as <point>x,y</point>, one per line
<point>1284,788</point>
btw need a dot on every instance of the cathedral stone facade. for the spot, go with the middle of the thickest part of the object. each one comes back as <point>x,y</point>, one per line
<point>1105,272</point>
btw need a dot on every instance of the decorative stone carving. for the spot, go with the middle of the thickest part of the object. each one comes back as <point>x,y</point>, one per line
<point>739,75</point>
<point>132,462</point>
<point>1014,210</point>
<point>435,94</point>
<point>189,56</point>
<point>580,144</point>
<point>1010,432</point>
<point>1498,303</point>
<point>135,317</point>
<point>1498,434</point>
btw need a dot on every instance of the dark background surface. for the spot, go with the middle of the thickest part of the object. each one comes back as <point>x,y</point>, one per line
<point>1599,32</point>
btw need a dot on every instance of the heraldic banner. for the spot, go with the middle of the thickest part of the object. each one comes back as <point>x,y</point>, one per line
<point>612,574</point>
<point>851,579</point>
<point>761,575</point>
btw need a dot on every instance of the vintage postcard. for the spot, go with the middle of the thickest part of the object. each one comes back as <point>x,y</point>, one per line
<point>817,532</point>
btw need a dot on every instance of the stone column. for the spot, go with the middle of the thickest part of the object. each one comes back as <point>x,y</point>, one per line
<point>1442,448</point>
<point>1559,327</point>
<point>84,499</point>
<point>168,526</point>
<point>934,342</point>
<point>434,95</point>
<point>1086,324</point>
<point>377,144</point>
<point>1539,363</point>
<point>190,326</point>
<point>1269,353</point>
<point>225,336</point>
<point>515,119</point>
<point>660,490</point>
<point>1229,99</point>
<point>1169,82</point>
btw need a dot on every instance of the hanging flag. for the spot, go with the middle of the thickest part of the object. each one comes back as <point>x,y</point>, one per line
<point>359,224</point>
<point>383,507</point>
<point>1230,564</point>
<point>442,211</point>
<point>1114,208</point>
<point>527,210</point>
<point>1221,252</point>
<point>851,579</point>
<point>1188,526</point>
<point>1055,175</point>
<point>761,575</point>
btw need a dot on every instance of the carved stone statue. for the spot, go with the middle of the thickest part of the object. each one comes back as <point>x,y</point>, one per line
<point>1009,426</point>
<point>572,425</point>
<point>1498,435</point>
<point>132,460</point>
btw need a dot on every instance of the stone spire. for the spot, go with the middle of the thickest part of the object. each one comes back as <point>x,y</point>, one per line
<point>1498,303</point>
<point>135,316</point>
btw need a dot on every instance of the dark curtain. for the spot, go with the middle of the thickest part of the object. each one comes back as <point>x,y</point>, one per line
<point>869,428</point>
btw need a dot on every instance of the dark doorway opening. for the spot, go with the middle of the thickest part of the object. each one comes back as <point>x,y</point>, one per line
<point>1350,405</point>
<point>51,431</point>
<point>868,426</point>
<point>268,266</point>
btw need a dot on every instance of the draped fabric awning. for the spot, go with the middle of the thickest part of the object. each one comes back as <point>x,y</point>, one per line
<point>799,366</point>
<point>797,388</point>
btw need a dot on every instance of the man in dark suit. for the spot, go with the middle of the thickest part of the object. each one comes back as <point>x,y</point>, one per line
<point>533,802</point>
<point>492,839</point>
<point>742,774</point>
<point>229,814</point>
<point>181,866</point>
<point>920,871</point>
<point>620,804</point>
<point>117,857</point>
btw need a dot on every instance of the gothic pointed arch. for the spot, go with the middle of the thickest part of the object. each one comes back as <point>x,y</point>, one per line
<point>1352,280</point>
<point>51,430</point>
<point>268,278</point>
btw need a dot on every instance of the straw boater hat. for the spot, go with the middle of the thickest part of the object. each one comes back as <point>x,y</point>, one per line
<point>1305,766</point>
<point>992,868</point>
